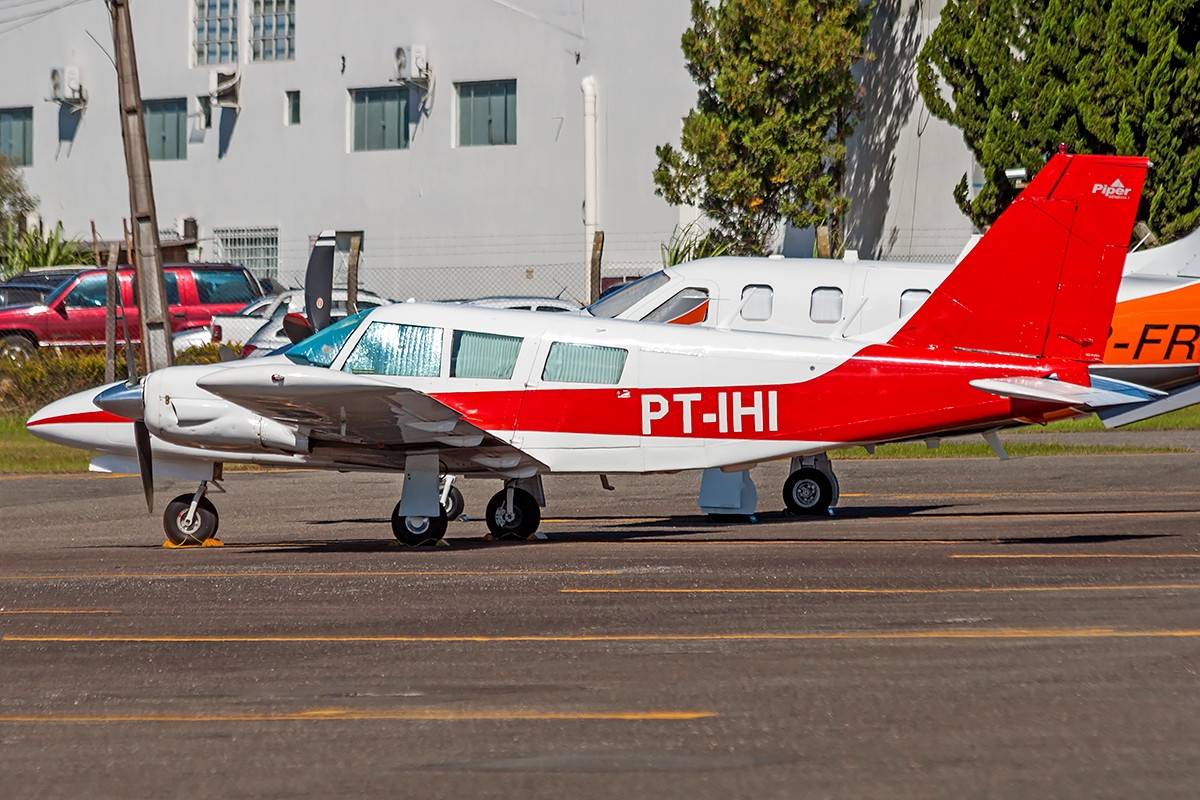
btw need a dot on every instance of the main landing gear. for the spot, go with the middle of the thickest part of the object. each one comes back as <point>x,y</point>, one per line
<point>812,487</point>
<point>515,511</point>
<point>192,519</point>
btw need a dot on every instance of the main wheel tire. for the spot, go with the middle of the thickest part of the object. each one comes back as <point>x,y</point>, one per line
<point>204,523</point>
<point>807,491</point>
<point>454,504</point>
<point>525,518</point>
<point>19,350</point>
<point>415,531</point>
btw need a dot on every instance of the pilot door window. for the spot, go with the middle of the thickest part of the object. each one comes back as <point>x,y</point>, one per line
<point>687,307</point>
<point>388,349</point>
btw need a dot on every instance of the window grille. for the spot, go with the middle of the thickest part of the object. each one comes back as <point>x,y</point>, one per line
<point>273,30</point>
<point>216,32</point>
<point>256,249</point>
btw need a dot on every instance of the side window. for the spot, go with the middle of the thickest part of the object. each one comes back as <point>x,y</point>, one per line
<point>826,305</point>
<point>483,355</point>
<point>390,349</point>
<point>687,307</point>
<point>911,300</point>
<point>551,308</point>
<point>222,286</point>
<point>172,282</point>
<point>88,293</point>
<point>584,363</point>
<point>759,305</point>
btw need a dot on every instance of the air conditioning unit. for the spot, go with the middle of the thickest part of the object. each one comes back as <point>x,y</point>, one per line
<point>66,85</point>
<point>411,63</point>
<point>225,89</point>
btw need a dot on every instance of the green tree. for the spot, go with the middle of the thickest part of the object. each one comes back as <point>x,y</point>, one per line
<point>1101,76</point>
<point>15,200</point>
<point>767,139</point>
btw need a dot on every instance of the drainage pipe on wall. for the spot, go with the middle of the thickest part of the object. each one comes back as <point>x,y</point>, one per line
<point>591,199</point>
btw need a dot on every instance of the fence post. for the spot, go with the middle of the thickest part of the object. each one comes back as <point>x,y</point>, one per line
<point>110,315</point>
<point>352,275</point>
<point>597,254</point>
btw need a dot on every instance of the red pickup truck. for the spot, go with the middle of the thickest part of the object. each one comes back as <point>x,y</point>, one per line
<point>73,316</point>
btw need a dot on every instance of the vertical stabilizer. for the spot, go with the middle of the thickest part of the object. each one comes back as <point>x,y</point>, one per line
<point>1042,282</point>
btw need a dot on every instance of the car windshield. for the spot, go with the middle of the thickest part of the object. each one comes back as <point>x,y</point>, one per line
<point>627,296</point>
<point>320,349</point>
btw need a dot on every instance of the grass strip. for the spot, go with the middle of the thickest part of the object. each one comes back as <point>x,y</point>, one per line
<point>21,452</point>
<point>982,450</point>
<point>1185,419</point>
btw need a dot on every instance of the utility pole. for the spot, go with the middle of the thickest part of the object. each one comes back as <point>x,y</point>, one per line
<point>152,289</point>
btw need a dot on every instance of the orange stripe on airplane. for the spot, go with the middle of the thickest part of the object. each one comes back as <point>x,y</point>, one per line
<point>1161,328</point>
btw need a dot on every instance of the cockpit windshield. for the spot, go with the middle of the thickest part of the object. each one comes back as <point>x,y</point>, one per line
<point>320,349</point>
<point>627,296</point>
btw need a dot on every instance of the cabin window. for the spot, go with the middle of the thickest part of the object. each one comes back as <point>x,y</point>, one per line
<point>584,363</point>
<point>484,355</point>
<point>911,300</point>
<point>687,307</point>
<point>90,292</point>
<point>759,302</point>
<point>390,349</point>
<point>826,305</point>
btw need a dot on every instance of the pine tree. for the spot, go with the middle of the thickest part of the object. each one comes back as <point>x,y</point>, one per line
<point>767,139</point>
<point>1101,76</point>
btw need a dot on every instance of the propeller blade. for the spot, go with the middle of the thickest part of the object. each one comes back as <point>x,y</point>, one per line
<point>297,328</point>
<point>141,437</point>
<point>318,281</point>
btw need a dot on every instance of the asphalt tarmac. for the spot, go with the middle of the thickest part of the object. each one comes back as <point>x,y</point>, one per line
<point>959,628</point>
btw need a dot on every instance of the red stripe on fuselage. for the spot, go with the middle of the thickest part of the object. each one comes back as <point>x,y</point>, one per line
<point>882,393</point>
<point>86,416</point>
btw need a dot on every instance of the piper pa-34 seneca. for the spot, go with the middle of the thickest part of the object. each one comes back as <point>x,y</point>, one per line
<point>427,389</point>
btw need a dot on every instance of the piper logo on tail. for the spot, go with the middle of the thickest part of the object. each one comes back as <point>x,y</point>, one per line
<point>1114,189</point>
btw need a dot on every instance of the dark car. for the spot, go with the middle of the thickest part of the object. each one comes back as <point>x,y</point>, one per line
<point>74,314</point>
<point>35,285</point>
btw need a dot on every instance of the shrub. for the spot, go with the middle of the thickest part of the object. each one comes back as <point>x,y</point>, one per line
<point>51,375</point>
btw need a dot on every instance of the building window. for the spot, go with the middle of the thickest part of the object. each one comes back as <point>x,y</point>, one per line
<point>273,37</point>
<point>16,136</point>
<point>216,32</point>
<point>256,249</point>
<point>380,119</point>
<point>291,114</point>
<point>487,113</point>
<point>166,128</point>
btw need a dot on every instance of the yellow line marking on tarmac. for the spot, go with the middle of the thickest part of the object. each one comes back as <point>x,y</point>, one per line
<point>608,519</point>
<point>349,574</point>
<point>56,611</point>
<point>1135,492</point>
<point>1082,555</point>
<point>350,714</point>
<point>956,590</point>
<point>994,633</point>
<point>89,476</point>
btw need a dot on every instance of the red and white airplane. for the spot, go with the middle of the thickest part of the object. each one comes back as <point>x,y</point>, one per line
<point>430,389</point>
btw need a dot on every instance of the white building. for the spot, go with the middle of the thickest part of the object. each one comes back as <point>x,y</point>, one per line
<point>468,179</point>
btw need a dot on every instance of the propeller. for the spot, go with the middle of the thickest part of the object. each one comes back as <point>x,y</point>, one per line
<point>125,400</point>
<point>318,282</point>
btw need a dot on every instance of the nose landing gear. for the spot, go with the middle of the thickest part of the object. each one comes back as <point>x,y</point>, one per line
<point>191,520</point>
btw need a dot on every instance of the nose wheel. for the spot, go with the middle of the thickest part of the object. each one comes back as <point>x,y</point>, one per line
<point>513,512</point>
<point>191,519</point>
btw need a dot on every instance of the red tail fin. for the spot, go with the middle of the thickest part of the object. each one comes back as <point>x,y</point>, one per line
<point>1043,281</point>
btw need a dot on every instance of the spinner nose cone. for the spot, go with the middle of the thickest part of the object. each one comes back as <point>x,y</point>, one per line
<point>124,401</point>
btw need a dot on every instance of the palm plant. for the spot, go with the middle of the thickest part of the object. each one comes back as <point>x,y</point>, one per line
<point>689,242</point>
<point>29,249</point>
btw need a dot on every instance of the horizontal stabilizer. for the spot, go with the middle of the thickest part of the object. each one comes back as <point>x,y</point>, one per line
<point>1125,415</point>
<point>1103,392</point>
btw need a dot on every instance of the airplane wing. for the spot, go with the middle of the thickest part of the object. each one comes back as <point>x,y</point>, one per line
<point>366,414</point>
<point>1103,392</point>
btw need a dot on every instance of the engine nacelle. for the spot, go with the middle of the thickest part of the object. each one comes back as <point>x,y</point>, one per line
<point>180,412</point>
